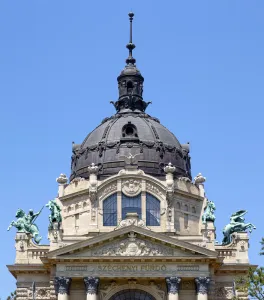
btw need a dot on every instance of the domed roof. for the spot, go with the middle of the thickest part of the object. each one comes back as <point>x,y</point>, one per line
<point>130,131</point>
<point>125,133</point>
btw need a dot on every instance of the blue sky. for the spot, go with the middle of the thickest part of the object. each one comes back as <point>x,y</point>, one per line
<point>203,66</point>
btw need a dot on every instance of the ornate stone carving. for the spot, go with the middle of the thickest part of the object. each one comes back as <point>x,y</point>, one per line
<point>169,170</point>
<point>132,246</point>
<point>150,187</point>
<point>40,293</point>
<point>93,170</point>
<point>62,285</point>
<point>199,179</point>
<point>62,179</point>
<point>223,290</point>
<point>132,219</point>
<point>130,160</point>
<point>107,190</point>
<point>202,285</point>
<point>173,284</point>
<point>186,179</point>
<point>91,285</point>
<point>131,187</point>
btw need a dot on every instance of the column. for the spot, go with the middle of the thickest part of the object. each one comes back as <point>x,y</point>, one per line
<point>91,286</point>
<point>202,286</point>
<point>62,287</point>
<point>173,284</point>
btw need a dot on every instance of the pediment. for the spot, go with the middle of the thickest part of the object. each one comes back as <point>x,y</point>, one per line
<point>131,241</point>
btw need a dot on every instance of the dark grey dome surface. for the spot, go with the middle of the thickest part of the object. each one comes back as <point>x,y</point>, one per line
<point>125,133</point>
<point>130,131</point>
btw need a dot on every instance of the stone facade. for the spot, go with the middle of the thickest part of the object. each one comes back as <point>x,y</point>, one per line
<point>87,260</point>
<point>129,222</point>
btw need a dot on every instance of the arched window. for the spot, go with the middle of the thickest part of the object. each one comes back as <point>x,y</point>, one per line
<point>110,211</point>
<point>131,205</point>
<point>152,211</point>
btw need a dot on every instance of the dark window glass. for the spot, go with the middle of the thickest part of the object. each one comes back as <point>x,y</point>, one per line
<point>131,205</point>
<point>132,295</point>
<point>152,211</point>
<point>110,211</point>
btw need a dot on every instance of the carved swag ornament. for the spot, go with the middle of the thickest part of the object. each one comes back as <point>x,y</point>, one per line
<point>91,285</point>
<point>62,285</point>
<point>173,284</point>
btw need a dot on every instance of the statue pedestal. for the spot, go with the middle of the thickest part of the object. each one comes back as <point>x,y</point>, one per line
<point>55,236</point>
<point>208,233</point>
<point>22,242</point>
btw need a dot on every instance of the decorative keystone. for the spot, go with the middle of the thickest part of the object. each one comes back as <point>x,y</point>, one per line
<point>169,168</point>
<point>199,179</point>
<point>93,169</point>
<point>62,179</point>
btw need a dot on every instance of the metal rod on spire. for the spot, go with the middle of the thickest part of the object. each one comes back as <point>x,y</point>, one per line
<point>130,46</point>
<point>131,15</point>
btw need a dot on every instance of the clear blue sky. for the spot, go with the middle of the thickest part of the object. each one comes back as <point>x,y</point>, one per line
<point>203,66</point>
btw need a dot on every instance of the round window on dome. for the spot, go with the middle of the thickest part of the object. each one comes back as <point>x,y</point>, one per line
<point>129,130</point>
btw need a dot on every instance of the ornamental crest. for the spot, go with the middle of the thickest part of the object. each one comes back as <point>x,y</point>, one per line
<point>131,187</point>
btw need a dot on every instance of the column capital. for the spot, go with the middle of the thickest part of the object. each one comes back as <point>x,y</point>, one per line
<point>91,284</point>
<point>173,284</point>
<point>202,285</point>
<point>62,285</point>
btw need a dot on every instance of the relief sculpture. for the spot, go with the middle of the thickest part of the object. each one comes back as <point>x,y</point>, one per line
<point>133,247</point>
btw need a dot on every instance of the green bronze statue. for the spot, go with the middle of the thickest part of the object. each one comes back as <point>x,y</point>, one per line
<point>55,212</point>
<point>25,223</point>
<point>208,215</point>
<point>237,224</point>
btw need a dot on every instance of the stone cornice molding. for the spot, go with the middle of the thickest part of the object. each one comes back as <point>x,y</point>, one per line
<point>138,230</point>
<point>27,268</point>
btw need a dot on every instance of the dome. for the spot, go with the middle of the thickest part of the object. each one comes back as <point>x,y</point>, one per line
<point>130,131</point>
<point>125,133</point>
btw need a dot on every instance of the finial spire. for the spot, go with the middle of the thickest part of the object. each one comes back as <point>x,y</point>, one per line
<point>130,46</point>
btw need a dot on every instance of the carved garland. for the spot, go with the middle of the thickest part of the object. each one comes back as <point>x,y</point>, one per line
<point>160,147</point>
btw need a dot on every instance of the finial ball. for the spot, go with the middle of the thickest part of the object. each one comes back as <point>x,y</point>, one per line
<point>131,15</point>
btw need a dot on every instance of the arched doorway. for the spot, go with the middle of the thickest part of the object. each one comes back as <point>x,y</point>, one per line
<point>132,295</point>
